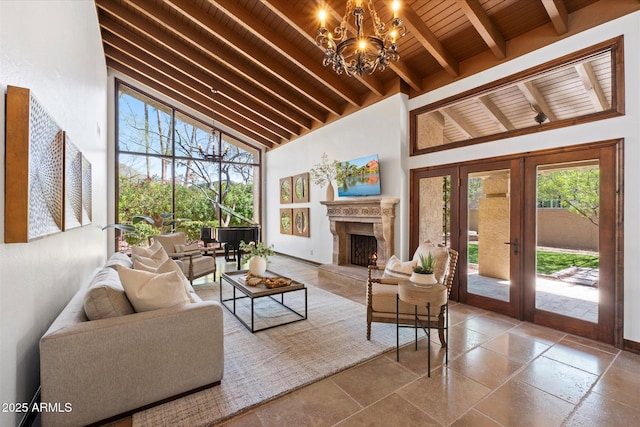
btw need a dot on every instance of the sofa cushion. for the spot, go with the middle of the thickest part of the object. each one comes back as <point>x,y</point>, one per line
<point>150,291</point>
<point>119,258</point>
<point>397,268</point>
<point>169,266</point>
<point>146,263</point>
<point>439,253</point>
<point>105,296</point>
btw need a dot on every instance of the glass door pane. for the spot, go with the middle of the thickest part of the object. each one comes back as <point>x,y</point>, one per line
<point>488,240</point>
<point>567,239</point>
<point>435,210</point>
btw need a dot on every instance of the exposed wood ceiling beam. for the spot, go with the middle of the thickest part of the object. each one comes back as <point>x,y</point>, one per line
<point>237,63</point>
<point>591,85</point>
<point>266,89</point>
<point>483,25</point>
<point>231,118</point>
<point>117,36</point>
<point>458,121</point>
<point>429,41</point>
<point>494,113</point>
<point>535,98</point>
<point>283,10</point>
<point>558,14</point>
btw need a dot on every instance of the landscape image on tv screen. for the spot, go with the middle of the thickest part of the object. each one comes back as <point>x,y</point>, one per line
<point>359,177</point>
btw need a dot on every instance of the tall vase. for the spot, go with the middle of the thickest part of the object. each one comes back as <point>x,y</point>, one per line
<point>257,266</point>
<point>330,192</point>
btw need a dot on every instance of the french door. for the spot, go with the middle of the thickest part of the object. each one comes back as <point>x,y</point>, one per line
<point>537,234</point>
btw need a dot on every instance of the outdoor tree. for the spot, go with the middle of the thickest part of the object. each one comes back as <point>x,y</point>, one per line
<point>574,189</point>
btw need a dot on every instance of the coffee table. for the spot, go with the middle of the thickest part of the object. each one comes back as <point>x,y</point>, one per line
<point>236,280</point>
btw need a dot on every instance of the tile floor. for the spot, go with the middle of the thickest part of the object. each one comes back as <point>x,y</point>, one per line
<point>501,372</point>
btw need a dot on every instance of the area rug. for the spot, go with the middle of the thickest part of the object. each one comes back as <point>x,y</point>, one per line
<point>262,366</point>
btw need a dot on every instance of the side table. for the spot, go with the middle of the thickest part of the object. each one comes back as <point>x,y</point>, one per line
<point>425,296</point>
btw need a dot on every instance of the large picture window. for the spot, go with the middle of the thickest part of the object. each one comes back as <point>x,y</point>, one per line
<point>163,172</point>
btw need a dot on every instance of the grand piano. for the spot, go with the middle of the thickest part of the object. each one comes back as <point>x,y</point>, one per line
<point>230,237</point>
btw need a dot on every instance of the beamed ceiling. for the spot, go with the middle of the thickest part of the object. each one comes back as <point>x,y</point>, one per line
<point>261,56</point>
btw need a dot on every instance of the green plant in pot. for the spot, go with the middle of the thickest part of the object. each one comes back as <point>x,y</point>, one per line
<point>423,271</point>
<point>140,228</point>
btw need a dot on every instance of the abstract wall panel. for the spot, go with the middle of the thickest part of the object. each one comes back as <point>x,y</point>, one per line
<point>72,185</point>
<point>301,222</point>
<point>34,170</point>
<point>286,221</point>
<point>301,188</point>
<point>87,199</point>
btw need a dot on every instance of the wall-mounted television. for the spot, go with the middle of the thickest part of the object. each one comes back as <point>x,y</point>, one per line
<point>359,177</point>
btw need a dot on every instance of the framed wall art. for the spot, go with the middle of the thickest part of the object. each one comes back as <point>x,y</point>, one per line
<point>34,169</point>
<point>301,222</point>
<point>285,190</point>
<point>72,185</point>
<point>301,188</point>
<point>87,194</point>
<point>286,221</point>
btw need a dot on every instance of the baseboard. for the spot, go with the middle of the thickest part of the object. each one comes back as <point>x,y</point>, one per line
<point>30,417</point>
<point>631,346</point>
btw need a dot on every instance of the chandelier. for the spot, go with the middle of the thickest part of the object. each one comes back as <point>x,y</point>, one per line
<point>213,157</point>
<point>361,53</point>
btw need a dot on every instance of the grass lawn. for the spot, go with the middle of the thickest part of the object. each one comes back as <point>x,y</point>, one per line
<point>549,261</point>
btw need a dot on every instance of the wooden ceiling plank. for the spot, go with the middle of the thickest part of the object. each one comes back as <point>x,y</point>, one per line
<point>558,14</point>
<point>492,110</point>
<point>283,10</point>
<point>284,47</point>
<point>429,41</point>
<point>194,95</point>
<point>592,86</point>
<point>535,99</point>
<point>219,102</point>
<point>295,99</point>
<point>484,26</point>
<point>241,47</point>
<point>113,33</point>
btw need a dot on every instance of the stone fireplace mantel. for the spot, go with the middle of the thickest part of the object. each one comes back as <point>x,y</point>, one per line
<point>368,216</point>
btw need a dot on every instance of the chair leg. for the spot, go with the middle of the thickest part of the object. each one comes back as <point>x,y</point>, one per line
<point>368,331</point>
<point>441,330</point>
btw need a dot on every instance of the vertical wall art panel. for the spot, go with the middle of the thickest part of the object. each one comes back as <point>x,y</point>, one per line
<point>286,221</point>
<point>285,190</point>
<point>72,185</point>
<point>301,222</point>
<point>301,188</point>
<point>87,194</point>
<point>34,169</point>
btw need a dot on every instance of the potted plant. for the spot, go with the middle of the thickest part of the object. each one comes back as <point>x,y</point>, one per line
<point>140,228</point>
<point>258,254</point>
<point>324,173</point>
<point>423,272</point>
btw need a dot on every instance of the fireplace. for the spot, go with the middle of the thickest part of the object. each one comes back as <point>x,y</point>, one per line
<point>372,217</point>
<point>363,249</point>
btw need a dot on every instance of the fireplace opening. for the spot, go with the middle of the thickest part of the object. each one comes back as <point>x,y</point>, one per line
<point>363,249</point>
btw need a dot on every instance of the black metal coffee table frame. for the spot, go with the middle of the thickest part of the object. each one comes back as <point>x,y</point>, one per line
<point>253,293</point>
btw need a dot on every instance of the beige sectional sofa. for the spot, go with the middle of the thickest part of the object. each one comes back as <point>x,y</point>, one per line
<point>98,369</point>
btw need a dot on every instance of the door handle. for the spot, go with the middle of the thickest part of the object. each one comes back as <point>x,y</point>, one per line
<point>515,245</point>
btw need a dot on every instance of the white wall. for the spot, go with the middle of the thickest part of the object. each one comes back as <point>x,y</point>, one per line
<point>54,49</point>
<point>379,129</point>
<point>627,127</point>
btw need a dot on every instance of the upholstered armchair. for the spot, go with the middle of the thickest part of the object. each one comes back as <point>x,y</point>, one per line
<point>190,257</point>
<point>383,288</point>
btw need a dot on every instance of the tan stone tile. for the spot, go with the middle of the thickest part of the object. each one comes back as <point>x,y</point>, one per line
<point>319,404</point>
<point>621,385</point>
<point>485,366</point>
<point>559,379</point>
<point>393,410</point>
<point>628,361</point>
<point>515,347</point>
<point>445,396</point>
<point>598,410</point>
<point>487,325</point>
<point>474,418</point>
<point>373,380</point>
<point>540,333</point>
<point>588,359</point>
<point>517,404</point>
<point>462,339</point>
<point>608,348</point>
<point>416,360</point>
<point>248,419</point>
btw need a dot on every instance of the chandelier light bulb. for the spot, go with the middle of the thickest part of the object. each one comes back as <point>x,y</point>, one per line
<point>395,6</point>
<point>323,17</point>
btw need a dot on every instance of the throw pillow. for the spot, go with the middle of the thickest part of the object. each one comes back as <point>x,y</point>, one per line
<point>145,263</point>
<point>119,258</point>
<point>155,251</point>
<point>397,268</point>
<point>169,266</point>
<point>150,291</point>
<point>439,253</point>
<point>105,297</point>
<point>191,249</point>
